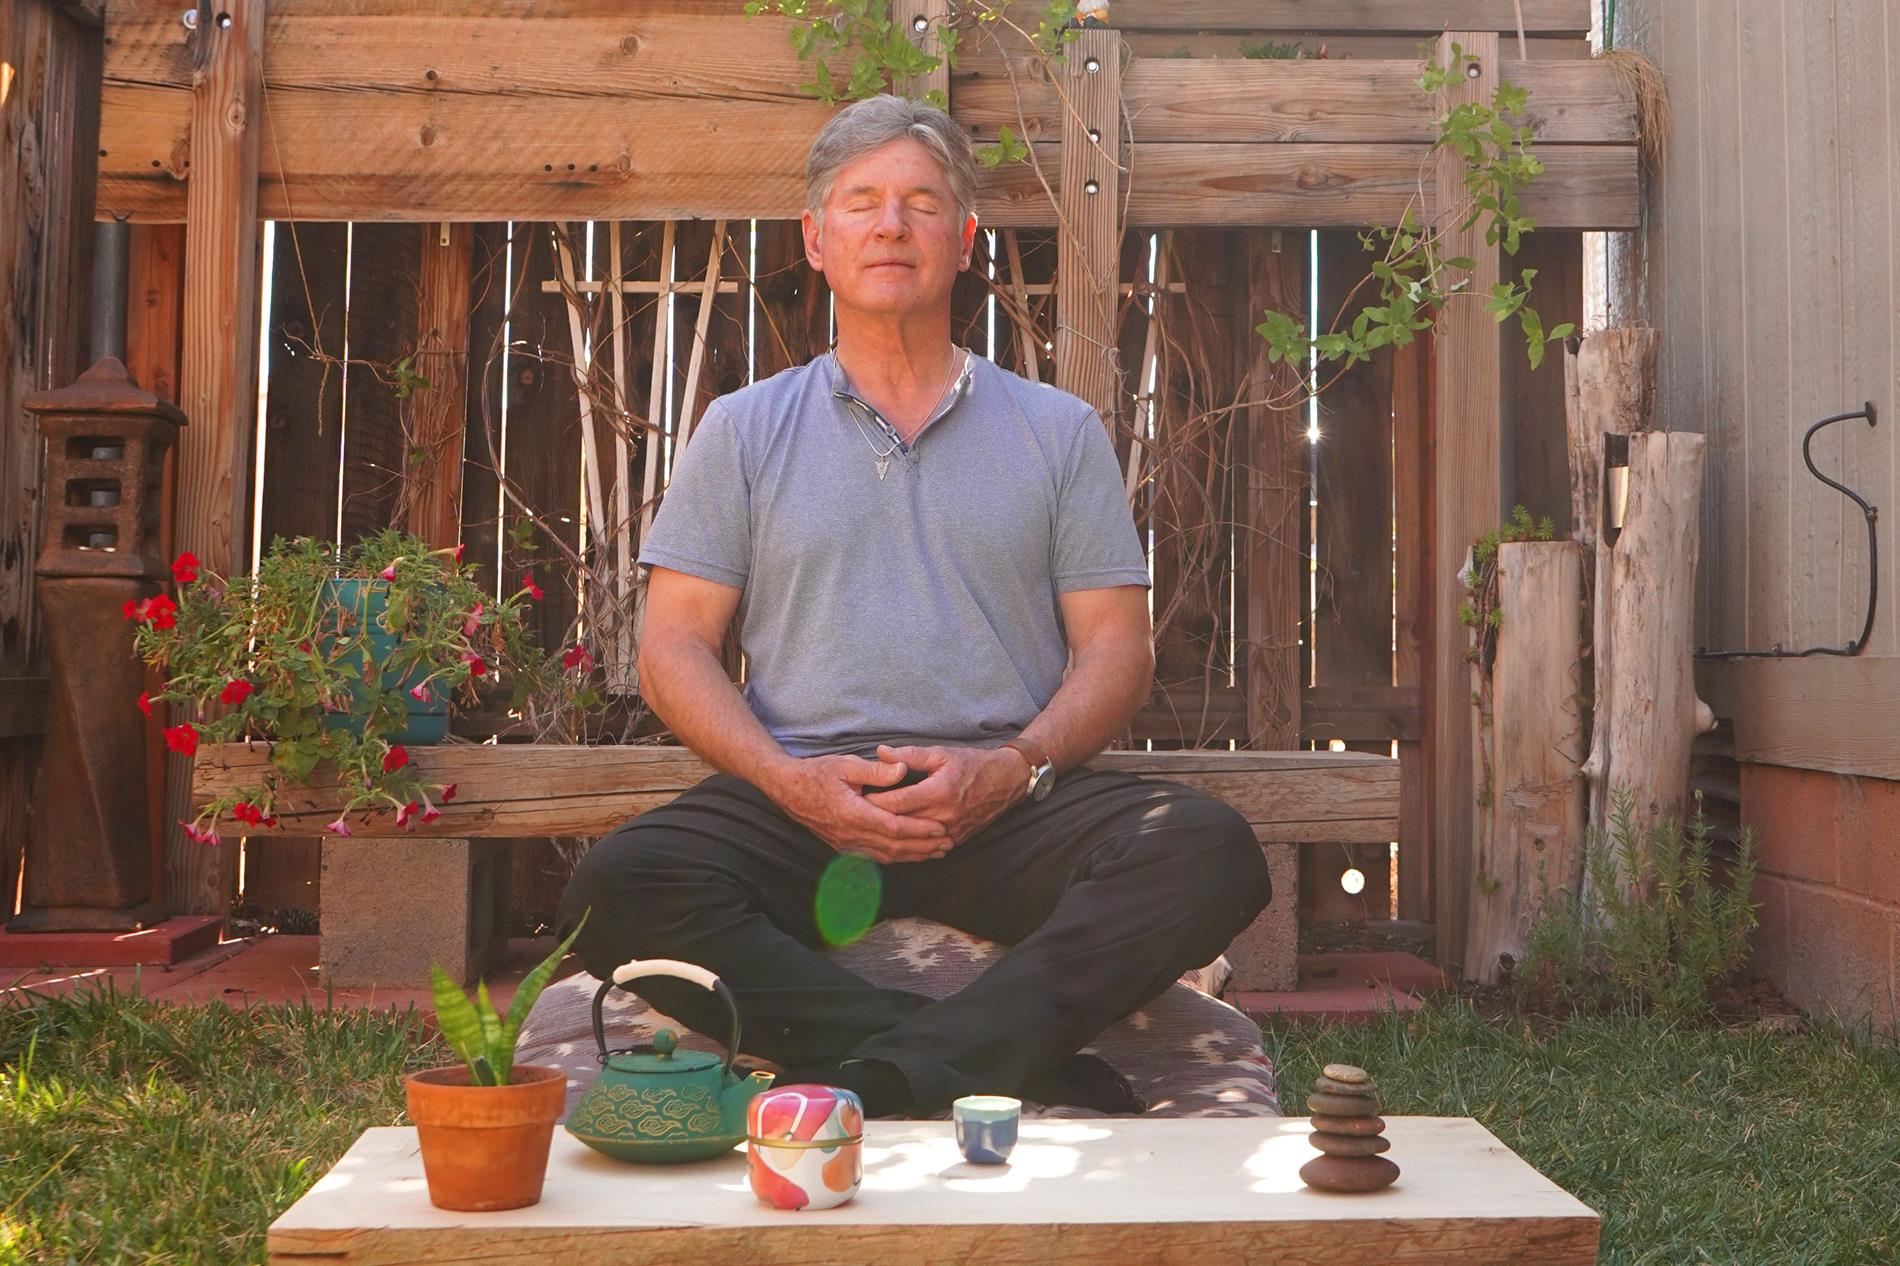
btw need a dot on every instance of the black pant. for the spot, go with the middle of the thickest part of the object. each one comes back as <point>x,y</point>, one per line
<point>1108,890</point>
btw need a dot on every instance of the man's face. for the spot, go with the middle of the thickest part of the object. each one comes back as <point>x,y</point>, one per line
<point>892,240</point>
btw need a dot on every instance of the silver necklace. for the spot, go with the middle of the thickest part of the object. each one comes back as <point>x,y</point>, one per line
<point>882,459</point>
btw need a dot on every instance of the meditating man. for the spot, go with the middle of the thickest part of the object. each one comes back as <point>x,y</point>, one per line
<point>942,600</point>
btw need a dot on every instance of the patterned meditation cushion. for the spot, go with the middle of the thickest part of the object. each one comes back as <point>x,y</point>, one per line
<point>1185,1053</point>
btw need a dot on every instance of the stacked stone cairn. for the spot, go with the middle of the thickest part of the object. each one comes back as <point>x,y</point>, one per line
<point>1348,1132</point>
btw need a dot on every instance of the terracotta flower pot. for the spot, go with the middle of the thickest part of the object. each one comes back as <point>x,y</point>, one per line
<point>485,1147</point>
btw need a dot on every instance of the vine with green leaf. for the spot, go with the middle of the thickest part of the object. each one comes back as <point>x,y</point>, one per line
<point>1414,276</point>
<point>882,52</point>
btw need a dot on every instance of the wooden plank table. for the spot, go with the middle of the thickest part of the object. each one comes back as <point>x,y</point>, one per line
<point>1075,1191</point>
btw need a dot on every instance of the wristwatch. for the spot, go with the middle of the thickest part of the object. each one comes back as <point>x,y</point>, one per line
<point>1042,770</point>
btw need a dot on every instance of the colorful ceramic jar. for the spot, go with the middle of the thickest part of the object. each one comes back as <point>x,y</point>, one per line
<point>805,1146</point>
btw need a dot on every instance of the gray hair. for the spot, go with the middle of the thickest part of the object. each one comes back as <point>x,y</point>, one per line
<point>865,125</point>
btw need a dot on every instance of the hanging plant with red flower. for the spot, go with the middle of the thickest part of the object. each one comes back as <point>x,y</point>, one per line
<point>296,657</point>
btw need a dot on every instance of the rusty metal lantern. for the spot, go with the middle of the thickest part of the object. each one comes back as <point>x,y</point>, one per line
<point>88,849</point>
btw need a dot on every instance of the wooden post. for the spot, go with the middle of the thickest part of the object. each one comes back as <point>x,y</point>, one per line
<point>218,381</point>
<point>1647,713</point>
<point>442,321</point>
<point>1090,248</point>
<point>1467,496</point>
<point>917,19</point>
<point>1530,753</point>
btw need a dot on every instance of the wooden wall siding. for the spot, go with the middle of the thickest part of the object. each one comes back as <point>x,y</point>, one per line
<point>1534,436</point>
<point>1540,17</point>
<point>49,116</point>
<point>691,110</point>
<point>1768,261</point>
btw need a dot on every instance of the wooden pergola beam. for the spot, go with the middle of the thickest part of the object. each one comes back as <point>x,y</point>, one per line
<point>1413,17</point>
<point>218,378</point>
<point>1184,185</point>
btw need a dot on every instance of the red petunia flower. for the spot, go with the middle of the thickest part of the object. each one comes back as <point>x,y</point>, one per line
<point>580,657</point>
<point>388,573</point>
<point>460,550</point>
<point>161,611</point>
<point>235,692</point>
<point>395,758</point>
<point>134,609</point>
<point>145,702</point>
<point>185,568</point>
<point>448,793</point>
<point>534,590</point>
<point>476,664</point>
<point>182,739</point>
<point>420,692</point>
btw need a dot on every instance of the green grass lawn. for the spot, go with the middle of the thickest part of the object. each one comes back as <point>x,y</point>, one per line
<point>1694,1143</point>
<point>137,1132</point>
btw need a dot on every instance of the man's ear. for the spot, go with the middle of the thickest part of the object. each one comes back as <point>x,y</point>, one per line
<point>814,240</point>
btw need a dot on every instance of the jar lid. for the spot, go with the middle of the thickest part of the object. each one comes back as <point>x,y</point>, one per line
<point>805,1114</point>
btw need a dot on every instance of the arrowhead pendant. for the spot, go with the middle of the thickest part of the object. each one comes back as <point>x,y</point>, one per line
<point>883,464</point>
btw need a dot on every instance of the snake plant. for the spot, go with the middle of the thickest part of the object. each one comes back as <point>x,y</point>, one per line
<point>485,1040</point>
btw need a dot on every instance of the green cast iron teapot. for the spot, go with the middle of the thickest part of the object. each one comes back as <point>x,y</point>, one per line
<point>656,1104</point>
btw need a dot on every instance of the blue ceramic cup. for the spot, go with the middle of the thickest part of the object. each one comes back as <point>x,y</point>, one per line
<point>986,1127</point>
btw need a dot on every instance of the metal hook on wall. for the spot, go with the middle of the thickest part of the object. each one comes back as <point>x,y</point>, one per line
<point>1872,515</point>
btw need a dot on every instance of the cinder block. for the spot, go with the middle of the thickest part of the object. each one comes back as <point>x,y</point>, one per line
<point>1830,952</point>
<point>1796,817</point>
<point>1869,843</point>
<point>391,907</point>
<point>1266,957</point>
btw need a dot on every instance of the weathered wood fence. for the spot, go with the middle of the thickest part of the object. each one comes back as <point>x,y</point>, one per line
<point>414,162</point>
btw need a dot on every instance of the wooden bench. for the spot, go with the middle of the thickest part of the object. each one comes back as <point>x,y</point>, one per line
<point>393,901</point>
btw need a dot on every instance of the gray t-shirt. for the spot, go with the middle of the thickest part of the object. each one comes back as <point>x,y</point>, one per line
<point>918,606</point>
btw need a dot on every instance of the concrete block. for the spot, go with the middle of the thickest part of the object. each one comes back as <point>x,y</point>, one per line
<point>391,907</point>
<point>1830,952</point>
<point>1869,843</point>
<point>1265,957</point>
<point>1796,817</point>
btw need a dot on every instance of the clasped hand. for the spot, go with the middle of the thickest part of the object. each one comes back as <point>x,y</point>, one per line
<point>964,790</point>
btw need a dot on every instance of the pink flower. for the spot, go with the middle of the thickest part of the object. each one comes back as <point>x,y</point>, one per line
<point>448,793</point>
<point>395,758</point>
<point>472,622</point>
<point>404,812</point>
<point>182,739</point>
<point>185,568</point>
<point>388,573</point>
<point>235,692</point>
<point>145,702</point>
<point>534,590</point>
<point>431,814</point>
<point>338,827</point>
<point>420,692</point>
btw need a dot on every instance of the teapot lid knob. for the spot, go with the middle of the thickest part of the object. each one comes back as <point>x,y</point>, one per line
<point>665,1042</point>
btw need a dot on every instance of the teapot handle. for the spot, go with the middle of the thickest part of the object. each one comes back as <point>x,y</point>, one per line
<point>692,972</point>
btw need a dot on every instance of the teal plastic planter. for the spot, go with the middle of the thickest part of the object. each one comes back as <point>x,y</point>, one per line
<point>428,722</point>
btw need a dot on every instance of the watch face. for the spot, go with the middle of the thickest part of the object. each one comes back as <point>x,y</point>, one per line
<point>1043,781</point>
